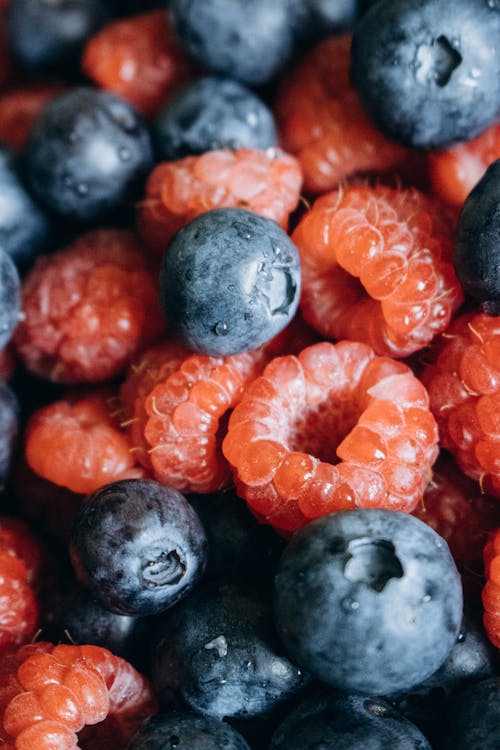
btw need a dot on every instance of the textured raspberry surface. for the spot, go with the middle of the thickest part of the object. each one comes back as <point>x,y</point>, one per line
<point>464,391</point>
<point>138,58</point>
<point>332,429</point>
<point>323,124</point>
<point>267,182</point>
<point>89,309</point>
<point>456,171</point>
<point>491,591</point>
<point>376,267</point>
<point>75,443</point>
<point>19,108</point>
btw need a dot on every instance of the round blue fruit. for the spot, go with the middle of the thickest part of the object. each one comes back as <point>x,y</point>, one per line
<point>229,282</point>
<point>9,428</point>
<point>368,600</point>
<point>189,731</point>
<point>474,717</point>
<point>10,297</point>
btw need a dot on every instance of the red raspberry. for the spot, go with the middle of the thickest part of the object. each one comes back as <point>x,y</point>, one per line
<point>464,391</point>
<point>7,362</point>
<point>89,309</point>
<point>323,124</point>
<point>138,58</point>
<point>376,267</point>
<point>20,107</point>
<point>454,506</point>
<point>332,429</point>
<point>455,172</point>
<point>267,182</point>
<point>491,591</point>
<point>76,444</point>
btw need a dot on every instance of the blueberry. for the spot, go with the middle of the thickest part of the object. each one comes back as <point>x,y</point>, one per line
<point>10,297</point>
<point>477,243</point>
<point>474,717</point>
<point>213,113</point>
<point>249,40</point>
<point>187,730</point>
<point>138,546</point>
<point>321,18</point>
<point>47,36</point>
<point>428,71</point>
<point>24,227</point>
<point>229,281</point>
<point>342,721</point>
<point>218,652</point>
<point>9,427</point>
<point>368,600</point>
<point>88,153</point>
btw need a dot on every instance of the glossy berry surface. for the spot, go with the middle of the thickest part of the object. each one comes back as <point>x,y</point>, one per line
<point>9,427</point>
<point>213,113</point>
<point>229,282</point>
<point>87,154</point>
<point>190,730</point>
<point>477,242</point>
<point>10,297</point>
<point>422,77</point>
<point>474,717</point>
<point>368,571</point>
<point>138,547</point>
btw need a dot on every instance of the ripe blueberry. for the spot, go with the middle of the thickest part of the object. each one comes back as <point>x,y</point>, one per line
<point>187,730</point>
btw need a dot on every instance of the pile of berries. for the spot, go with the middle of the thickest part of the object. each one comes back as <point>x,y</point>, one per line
<point>249,374</point>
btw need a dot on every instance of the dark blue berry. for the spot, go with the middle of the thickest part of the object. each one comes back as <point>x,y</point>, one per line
<point>218,652</point>
<point>24,227</point>
<point>213,113</point>
<point>88,154</point>
<point>47,36</point>
<point>477,244</point>
<point>368,600</point>
<point>10,297</point>
<point>346,722</point>
<point>229,282</point>
<point>474,718</point>
<point>9,425</point>
<point>321,18</point>
<point>138,546</point>
<point>428,71</point>
<point>189,731</point>
<point>249,40</point>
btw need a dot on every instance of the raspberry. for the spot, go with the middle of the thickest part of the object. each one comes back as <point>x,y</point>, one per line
<point>19,108</point>
<point>63,688</point>
<point>323,124</point>
<point>89,309</point>
<point>376,267</point>
<point>75,443</point>
<point>464,392</point>
<point>7,362</point>
<point>456,171</point>
<point>491,590</point>
<point>332,429</point>
<point>267,182</point>
<point>138,58</point>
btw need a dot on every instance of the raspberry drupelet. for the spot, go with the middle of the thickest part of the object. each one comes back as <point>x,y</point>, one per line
<point>267,182</point>
<point>464,391</point>
<point>377,267</point>
<point>491,590</point>
<point>322,122</point>
<point>334,428</point>
<point>138,58</point>
<point>89,309</point>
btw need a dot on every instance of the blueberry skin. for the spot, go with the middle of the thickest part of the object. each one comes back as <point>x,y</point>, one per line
<point>317,19</point>
<point>343,721</point>
<point>10,297</point>
<point>428,71</point>
<point>213,113</point>
<point>25,228</point>
<point>187,730</point>
<point>138,546</point>
<point>9,429</point>
<point>218,653</point>
<point>47,36</point>
<point>368,600</point>
<point>476,255</point>
<point>474,717</point>
<point>229,282</point>
<point>88,153</point>
<point>249,40</point>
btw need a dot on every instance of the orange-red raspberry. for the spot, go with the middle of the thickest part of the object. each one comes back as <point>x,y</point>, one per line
<point>138,58</point>
<point>19,108</point>
<point>376,267</point>
<point>323,124</point>
<point>267,182</point>
<point>464,391</point>
<point>334,428</point>
<point>89,309</point>
<point>491,590</point>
